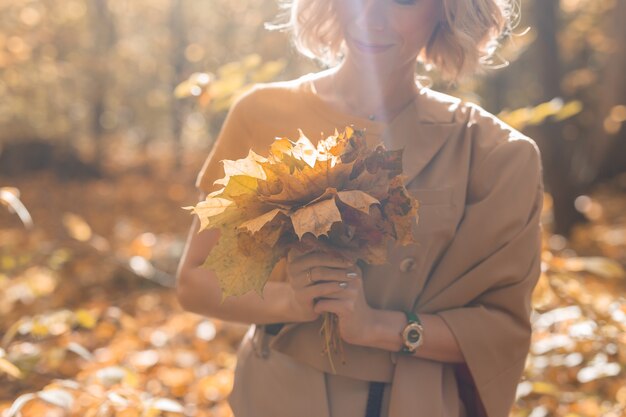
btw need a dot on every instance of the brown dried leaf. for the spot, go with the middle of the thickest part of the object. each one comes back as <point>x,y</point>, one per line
<point>401,209</point>
<point>357,199</point>
<point>316,218</point>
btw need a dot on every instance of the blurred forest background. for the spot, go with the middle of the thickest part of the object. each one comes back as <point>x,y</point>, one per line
<point>107,111</point>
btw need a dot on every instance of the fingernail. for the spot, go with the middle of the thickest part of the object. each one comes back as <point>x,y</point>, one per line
<point>352,274</point>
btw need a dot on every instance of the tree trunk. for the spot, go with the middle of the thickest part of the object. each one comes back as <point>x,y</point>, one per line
<point>178,43</point>
<point>556,151</point>
<point>606,151</point>
<point>104,38</point>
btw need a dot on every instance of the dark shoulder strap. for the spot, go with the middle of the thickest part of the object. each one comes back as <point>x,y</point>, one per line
<point>374,399</point>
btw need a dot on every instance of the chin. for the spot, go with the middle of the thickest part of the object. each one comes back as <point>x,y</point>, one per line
<point>378,63</point>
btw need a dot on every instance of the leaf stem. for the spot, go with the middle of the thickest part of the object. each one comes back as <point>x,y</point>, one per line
<point>332,339</point>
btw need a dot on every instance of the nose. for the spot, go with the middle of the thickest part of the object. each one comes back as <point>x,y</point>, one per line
<point>370,15</point>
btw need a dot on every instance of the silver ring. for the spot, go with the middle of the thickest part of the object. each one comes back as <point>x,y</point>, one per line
<point>343,284</point>
<point>308,274</point>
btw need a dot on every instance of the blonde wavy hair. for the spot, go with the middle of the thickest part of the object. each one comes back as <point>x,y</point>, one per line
<point>464,42</point>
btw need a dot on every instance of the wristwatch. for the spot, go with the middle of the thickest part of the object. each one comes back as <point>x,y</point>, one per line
<point>412,334</point>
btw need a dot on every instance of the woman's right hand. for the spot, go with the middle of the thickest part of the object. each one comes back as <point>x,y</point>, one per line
<point>314,275</point>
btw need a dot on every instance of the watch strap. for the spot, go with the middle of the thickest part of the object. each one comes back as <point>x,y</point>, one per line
<point>411,317</point>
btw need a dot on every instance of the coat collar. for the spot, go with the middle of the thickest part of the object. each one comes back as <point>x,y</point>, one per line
<point>435,116</point>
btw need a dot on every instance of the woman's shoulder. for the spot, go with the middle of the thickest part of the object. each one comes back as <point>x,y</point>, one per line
<point>445,108</point>
<point>498,149</point>
<point>272,95</point>
<point>485,129</point>
<point>495,145</point>
<point>493,135</point>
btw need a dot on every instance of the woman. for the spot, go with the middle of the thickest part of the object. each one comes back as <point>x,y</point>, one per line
<point>469,277</point>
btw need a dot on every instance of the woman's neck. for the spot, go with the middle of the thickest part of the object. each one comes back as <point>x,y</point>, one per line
<point>367,93</point>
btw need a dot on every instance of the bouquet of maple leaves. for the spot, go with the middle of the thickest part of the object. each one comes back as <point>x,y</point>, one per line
<point>346,195</point>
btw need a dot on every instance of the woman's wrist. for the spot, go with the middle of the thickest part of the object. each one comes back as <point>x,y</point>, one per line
<point>292,311</point>
<point>384,330</point>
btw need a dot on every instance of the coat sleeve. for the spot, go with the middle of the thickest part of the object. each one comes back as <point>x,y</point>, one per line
<point>233,142</point>
<point>494,262</point>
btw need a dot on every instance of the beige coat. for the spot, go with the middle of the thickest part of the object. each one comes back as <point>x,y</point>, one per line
<point>475,263</point>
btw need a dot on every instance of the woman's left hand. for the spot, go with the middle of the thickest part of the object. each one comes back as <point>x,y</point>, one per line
<point>355,316</point>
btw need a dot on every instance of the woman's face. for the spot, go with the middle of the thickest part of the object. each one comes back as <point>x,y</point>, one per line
<point>387,33</point>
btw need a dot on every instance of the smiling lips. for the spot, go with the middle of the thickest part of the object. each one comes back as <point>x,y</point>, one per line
<point>369,47</point>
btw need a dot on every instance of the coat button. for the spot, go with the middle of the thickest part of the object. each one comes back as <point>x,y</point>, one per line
<point>407,264</point>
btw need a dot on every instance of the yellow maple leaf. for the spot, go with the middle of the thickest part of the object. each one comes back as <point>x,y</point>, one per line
<point>254,225</point>
<point>249,166</point>
<point>208,210</point>
<point>238,274</point>
<point>240,184</point>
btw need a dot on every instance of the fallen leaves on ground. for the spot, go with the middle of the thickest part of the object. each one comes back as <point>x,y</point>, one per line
<point>80,332</point>
<point>578,353</point>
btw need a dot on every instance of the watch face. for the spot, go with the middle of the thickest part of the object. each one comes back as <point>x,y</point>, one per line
<point>413,336</point>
